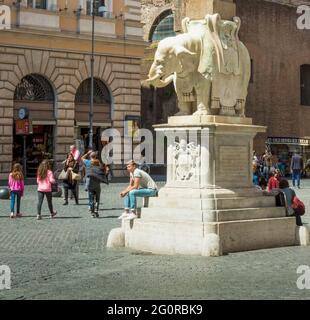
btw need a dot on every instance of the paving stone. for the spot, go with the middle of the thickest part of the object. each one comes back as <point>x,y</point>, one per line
<point>67,258</point>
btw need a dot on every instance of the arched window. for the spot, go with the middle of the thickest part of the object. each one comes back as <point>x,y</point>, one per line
<point>305,84</point>
<point>34,87</point>
<point>101,92</point>
<point>163,27</point>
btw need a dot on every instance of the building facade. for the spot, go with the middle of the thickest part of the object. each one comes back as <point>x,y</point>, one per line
<point>45,70</point>
<point>279,91</point>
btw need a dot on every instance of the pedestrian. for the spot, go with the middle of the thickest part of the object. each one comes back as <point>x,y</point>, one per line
<point>267,160</point>
<point>71,167</point>
<point>297,166</point>
<point>77,157</point>
<point>262,184</point>
<point>16,185</point>
<point>96,175</point>
<point>140,185</point>
<point>289,196</point>
<point>274,180</point>
<point>87,162</point>
<point>256,174</point>
<point>45,179</point>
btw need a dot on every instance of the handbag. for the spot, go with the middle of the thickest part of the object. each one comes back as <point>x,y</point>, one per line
<point>298,206</point>
<point>63,175</point>
<point>76,176</point>
<point>55,187</point>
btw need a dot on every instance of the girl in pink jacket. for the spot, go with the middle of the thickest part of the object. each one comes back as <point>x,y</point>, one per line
<point>45,179</point>
<point>16,185</point>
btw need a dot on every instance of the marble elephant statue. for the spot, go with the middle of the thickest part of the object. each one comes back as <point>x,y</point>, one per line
<point>209,66</point>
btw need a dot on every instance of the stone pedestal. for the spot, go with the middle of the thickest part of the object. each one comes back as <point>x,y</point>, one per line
<point>209,205</point>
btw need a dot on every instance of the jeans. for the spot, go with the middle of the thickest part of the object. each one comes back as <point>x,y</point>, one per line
<point>94,195</point>
<point>131,201</point>
<point>266,172</point>
<point>49,201</point>
<point>73,192</point>
<point>296,176</point>
<point>15,197</point>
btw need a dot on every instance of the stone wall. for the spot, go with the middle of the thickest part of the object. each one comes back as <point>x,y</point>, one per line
<point>65,71</point>
<point>278,49</point>
<point>151,9</point>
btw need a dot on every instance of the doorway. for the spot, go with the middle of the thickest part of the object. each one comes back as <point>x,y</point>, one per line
<point>39,146</point>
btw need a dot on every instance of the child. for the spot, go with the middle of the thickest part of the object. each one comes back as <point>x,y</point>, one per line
<point>16,185</point>
<point>274,180</point>
<point>45,179</point>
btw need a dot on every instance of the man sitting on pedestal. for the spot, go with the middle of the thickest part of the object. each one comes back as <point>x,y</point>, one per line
<point>141,185</point>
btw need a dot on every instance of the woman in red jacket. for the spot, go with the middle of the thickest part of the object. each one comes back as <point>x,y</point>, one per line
<point>274,180</point>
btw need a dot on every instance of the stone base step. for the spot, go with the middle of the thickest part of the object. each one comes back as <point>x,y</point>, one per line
<point>164,237</point>
<point>184,214</point>
<point>213,203</point>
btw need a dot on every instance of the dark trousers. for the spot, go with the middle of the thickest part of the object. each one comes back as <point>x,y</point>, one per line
<point>15,197</point>
<point>73,192</point>
<point>77,191</point>
<point>94,195</point>
<point>298,220</point>
<point>49,201</point>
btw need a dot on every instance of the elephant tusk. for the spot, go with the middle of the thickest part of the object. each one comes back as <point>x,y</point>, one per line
<point>155,78</point>
<point>167,80</point>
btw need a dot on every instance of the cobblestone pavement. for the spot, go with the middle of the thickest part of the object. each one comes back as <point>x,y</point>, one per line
<point>66,258</point>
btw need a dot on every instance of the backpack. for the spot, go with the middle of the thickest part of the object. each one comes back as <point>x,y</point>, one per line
<point>298,206</point>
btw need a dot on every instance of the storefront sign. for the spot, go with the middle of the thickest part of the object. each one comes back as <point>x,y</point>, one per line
<point>22,127</point>
<point>284,140</point>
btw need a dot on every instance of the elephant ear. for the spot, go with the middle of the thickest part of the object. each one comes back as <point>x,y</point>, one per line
<point>187,59</point>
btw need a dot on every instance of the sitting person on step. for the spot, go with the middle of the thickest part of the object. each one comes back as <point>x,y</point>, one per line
<point>141,185</point>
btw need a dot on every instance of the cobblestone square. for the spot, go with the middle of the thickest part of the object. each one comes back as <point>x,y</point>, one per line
<point>67,258</point>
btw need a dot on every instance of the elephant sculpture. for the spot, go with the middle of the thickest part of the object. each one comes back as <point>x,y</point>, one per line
<point>209,66</point>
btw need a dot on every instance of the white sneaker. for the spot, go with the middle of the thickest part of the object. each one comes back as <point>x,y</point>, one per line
<point>131,216</point>
<point>123,216</point>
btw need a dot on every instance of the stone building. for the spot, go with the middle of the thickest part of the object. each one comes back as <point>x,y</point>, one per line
<point>45,51</point>
<point>279,92</point>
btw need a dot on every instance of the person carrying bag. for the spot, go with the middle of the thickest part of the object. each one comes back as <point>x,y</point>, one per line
<point>294,206</point>
<point>71,167</point>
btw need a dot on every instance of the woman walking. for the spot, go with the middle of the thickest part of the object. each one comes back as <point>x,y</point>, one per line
<point>71,167</point>
<point>16,185</point>
<point>45,179</point>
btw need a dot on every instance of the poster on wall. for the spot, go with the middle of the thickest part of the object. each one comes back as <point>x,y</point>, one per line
<point>22,127</point>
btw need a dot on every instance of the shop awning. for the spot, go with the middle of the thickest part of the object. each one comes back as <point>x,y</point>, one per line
<point>289,141</point>
<point>43,122</point>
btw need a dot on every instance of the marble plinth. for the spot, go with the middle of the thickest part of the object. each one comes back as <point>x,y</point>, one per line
<point>209,205</point>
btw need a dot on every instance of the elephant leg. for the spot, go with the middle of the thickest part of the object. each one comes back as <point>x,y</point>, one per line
<point>185,109</point>
<point>203,99</point>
